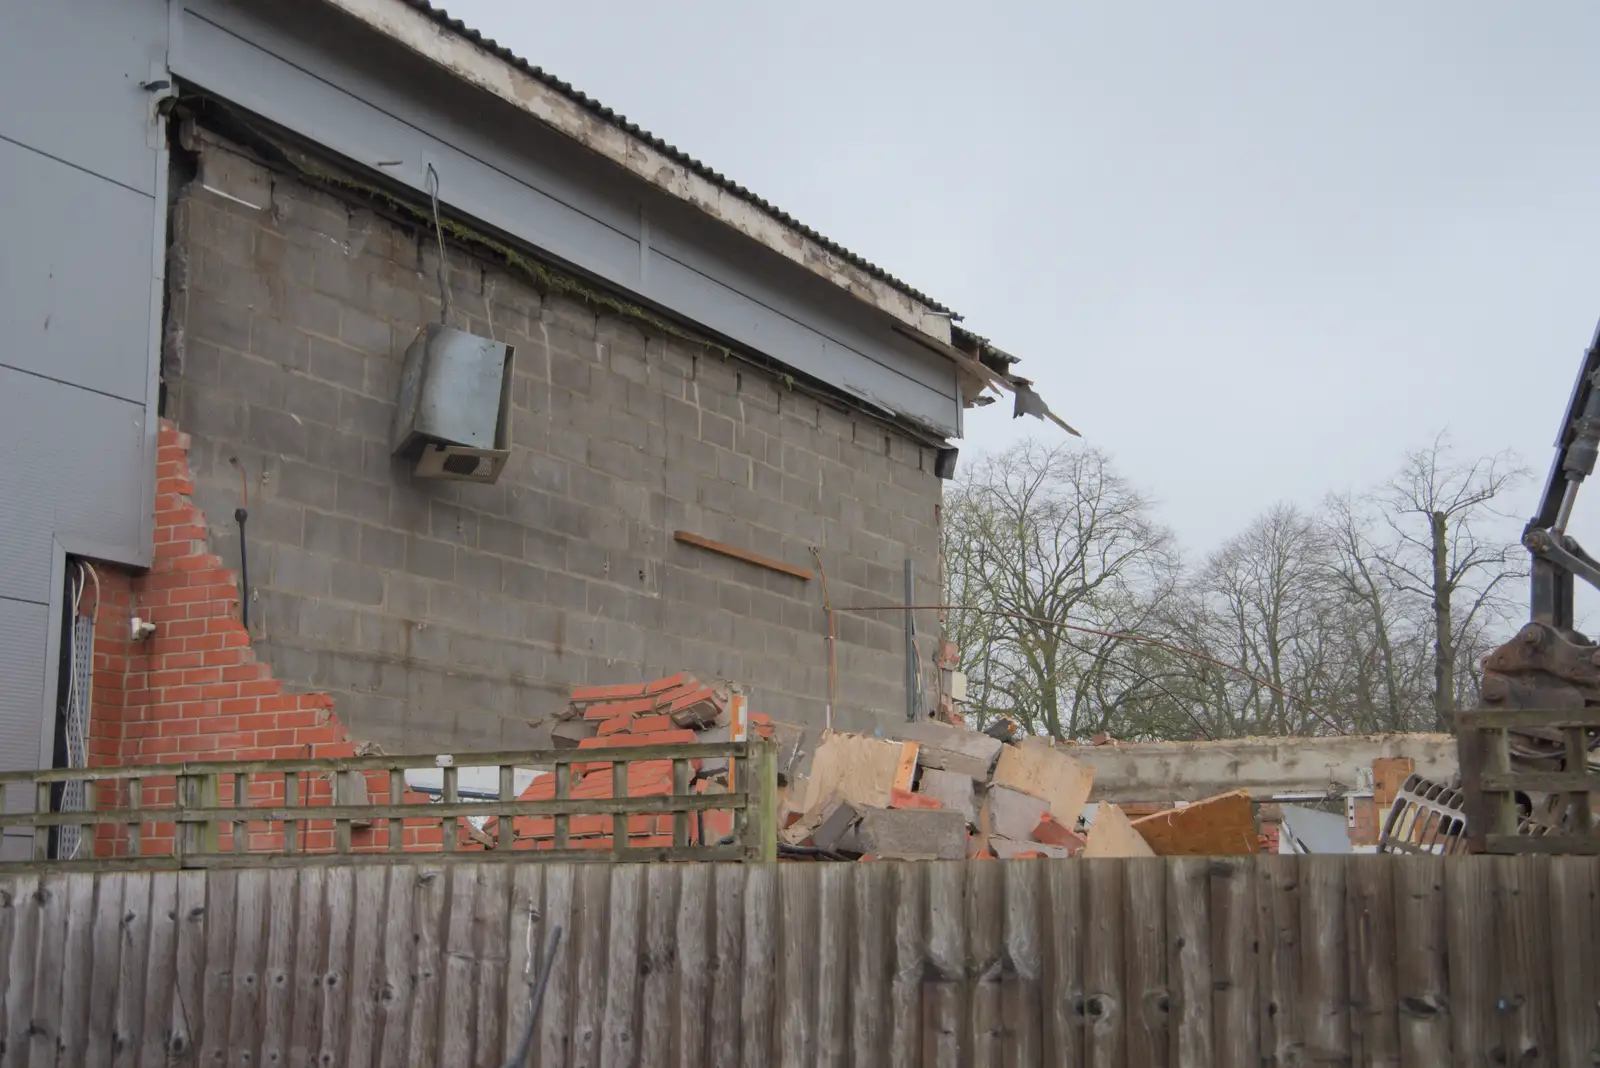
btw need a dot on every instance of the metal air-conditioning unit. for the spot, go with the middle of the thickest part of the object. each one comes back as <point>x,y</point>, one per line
<point>452,418</point>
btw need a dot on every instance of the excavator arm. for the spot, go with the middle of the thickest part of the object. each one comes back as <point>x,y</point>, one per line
<point>1548,667</point>
<point>1557,557</point>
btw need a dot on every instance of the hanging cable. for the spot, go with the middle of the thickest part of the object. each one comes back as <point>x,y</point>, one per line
<point>443,273</point>
<point>240,514</point>
<point>833,663</point>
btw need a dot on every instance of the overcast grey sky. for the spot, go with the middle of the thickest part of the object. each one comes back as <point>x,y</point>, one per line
<point>1254,250</point>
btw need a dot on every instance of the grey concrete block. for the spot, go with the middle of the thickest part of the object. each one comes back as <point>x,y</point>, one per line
<point>430,559</point>
<point>332,535</point>
<point>305,484</point>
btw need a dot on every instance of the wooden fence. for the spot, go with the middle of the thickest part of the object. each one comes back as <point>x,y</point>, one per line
<point>633,802</point>
<point>1187,962</point>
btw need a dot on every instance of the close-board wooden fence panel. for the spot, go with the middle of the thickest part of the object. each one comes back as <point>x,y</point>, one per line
<point>1176,963</point>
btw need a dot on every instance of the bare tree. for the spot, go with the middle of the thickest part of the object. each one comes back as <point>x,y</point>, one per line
<point>1036,538</point>
<point>1440,511</point>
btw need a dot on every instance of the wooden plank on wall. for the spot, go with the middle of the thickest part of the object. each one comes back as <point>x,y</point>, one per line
<point>1235,961</point>
<point>1324,959</point>
<point>619,1025</point>
<point>160,976</point>
<point>725,1042</point>
<point>492,957</point>
<point>556,1015</point>
<point>215,1022</point>
<point>1062,977</point>
<point>696,924</point>
<point>131,986</point>
<point>985,921</point>
<point>1473,959</point>
<point>106,971</point>
<point>1189,961</point>
<point>1370,942</point>
<point>251,913</point>
<point>830,987</point>
<point>306,969</point>
<point>756,1009</point>
<point>398,936</point>
<point>1279,1006</point>
<point>431,900</point>
<point>1421,982</point>
<point>458,980</point>
<point>1527,987</point>
<point>366,980</point>
<point>22,931</point>
<point>907,887</point>
<point>1575,959</point>
<point>1104,994</point>
<point>944,1020</point>
<point>524,921</point>
<point>795,993</point>
<point>78,971</point>
<point>278,995</point>
<point>659,961</point>
<point>1148,1000</point>
<point>590,950</point>
<point>188,992</point>
<point>1022,971</point>
<point>45,1025</point>
<point>334,969</point>
<point>872,962</point>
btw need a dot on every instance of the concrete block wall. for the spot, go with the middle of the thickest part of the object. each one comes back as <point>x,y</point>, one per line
<point>451,615</point>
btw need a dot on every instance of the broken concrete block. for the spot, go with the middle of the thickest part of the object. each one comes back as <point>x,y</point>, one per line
<point>835,825</point>
<point>1012,813</point>
<point>912,834</point>
<point>1033,767</point>
<point>855,768</point>
<point>568,733</point>
<point>1224,825</point>
<point>952,790</point>
<point>1010,849</point>
<point>1112,835</point>
<point>952,748</point>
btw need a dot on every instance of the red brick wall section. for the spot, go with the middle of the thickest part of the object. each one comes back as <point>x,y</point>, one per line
<point>194,690</point>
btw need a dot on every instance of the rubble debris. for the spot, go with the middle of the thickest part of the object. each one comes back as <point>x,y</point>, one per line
<point>1224,825</point>
<point>1012,813</point>
<point>1050,831</point>
<point>838,821</point>
<point>910,834</point>
<point>1011,849</point>
<point>952,790</point>
<point>858,769</point>
<point>956,749</point>
<point>1112,835</point>
<point>1033,767</point>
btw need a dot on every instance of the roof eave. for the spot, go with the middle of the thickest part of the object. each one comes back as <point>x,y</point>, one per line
<point>418,28</point>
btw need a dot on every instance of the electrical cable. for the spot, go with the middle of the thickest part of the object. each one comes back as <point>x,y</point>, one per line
<point>833,663</point>
<point>443,272</point>
<point>240,514</point>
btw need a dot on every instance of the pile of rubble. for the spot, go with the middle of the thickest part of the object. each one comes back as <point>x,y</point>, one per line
<point>668,711</point>
<point>947,793</point>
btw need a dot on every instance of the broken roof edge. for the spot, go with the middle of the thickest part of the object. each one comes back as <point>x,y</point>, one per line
<point>432,34</point>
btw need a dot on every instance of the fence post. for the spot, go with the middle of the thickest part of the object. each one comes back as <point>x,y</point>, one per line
<point>762,790</point>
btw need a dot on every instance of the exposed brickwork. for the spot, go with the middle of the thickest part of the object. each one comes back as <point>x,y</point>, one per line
<point>451,615</point>
<point>194,690</point>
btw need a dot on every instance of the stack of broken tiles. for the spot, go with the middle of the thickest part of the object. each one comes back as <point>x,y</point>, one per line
<point>672,710</point>
<point>941,792</point>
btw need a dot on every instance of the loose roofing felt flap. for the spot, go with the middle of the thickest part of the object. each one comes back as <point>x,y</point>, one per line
<point>446,42</point>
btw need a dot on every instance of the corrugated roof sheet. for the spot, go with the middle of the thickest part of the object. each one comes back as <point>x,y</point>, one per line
<point>455,25</point>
